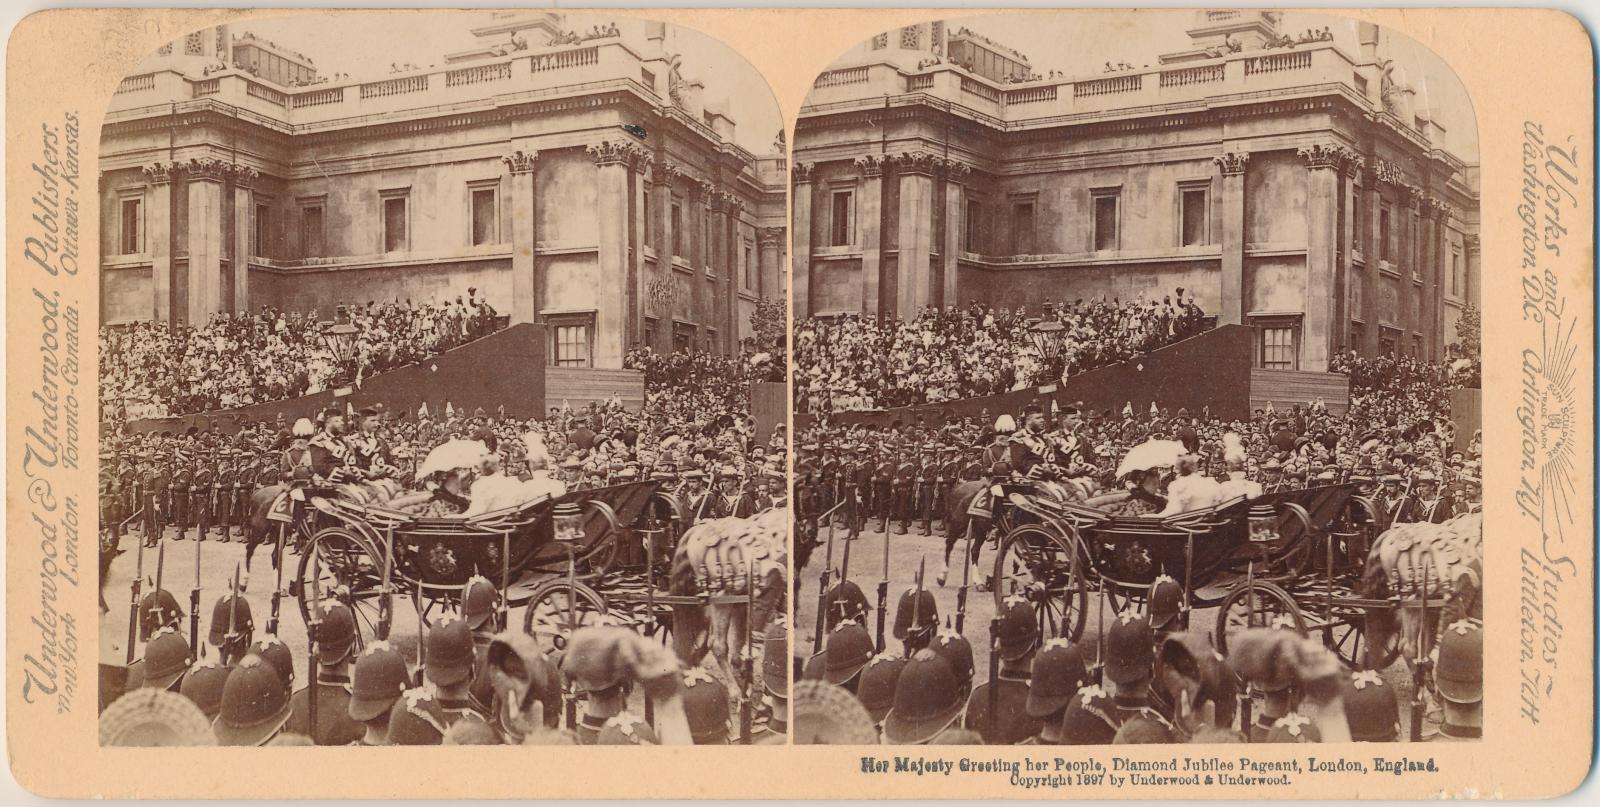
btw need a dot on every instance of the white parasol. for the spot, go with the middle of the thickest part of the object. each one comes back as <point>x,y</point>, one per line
<point>452,455</point>
<point>1150,454</point>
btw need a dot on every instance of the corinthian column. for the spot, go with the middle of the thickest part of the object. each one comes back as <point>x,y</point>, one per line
<point>205,238</point>
<point>158,235</point>
<point>869,221</point>
<point>801,225</point>
<point>611,161</point>
<point>1232,165</point>
<point>526,296</point>
<point>1324,163</point>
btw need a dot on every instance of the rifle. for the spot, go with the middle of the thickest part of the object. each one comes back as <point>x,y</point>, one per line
<point>194,602</point>
<point>916,609</point>
<point>994,677</point>
<point>883,590</point>
<point>386,596</point>
<point>133,603</point>
<point>277,588</point>
<point>748,662</point>
<point>313,626</point>
<point>966,580</point>
<point>231,640</point>
<point>1419,670</point>
<point>824,601</point>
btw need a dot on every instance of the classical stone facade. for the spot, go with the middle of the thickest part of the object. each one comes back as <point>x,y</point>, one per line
<point>585,185</point>
<point>1294,188</point>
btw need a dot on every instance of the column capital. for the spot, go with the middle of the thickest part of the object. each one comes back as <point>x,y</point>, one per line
<point>955,170</point>
<point>1324,155</point>
<point>916,162</point>
<point>1471,242</point>
<point>801,172</point>
<point>207,168</point>
<point>1413,197</point>
<point>730,203</point>
<point>243,175</point>
<point>161,173</point>
<point>521,162</point>
<point>1232,162</point>
<point>611,152</point>
<point>771,236</point>
<point>665,173</point>
<point>644,162</point>
<point>1354,164</point>
<point>869,166</point>
<point>1437,209</point>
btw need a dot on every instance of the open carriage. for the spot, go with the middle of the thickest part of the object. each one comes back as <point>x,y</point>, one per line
<point>368,552</point>
<point>1297,554</point>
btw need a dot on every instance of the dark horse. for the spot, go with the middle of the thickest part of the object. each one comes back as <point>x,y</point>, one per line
<point>957,521</point>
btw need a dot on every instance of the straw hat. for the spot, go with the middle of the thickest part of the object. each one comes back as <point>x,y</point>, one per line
<point>150,717</point>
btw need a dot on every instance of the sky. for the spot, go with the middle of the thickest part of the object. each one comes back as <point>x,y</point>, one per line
<point>1080,43</point>
<point>364,44</point>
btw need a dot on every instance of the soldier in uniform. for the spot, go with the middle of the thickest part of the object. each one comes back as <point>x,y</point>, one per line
<point>1095,716</point>
<point>859,487</point>
<point>255,704</point>
<point>927,487</point>
<point>1425,504</point>
<point>450,666</point>
<point>379,679</point>
<point>330,455</point>
<point>1271,476</point>
<point>883,473</point>
<point>227,476</point>
<point>907,491</point>
<point>202,488</point>
<point>153,486</point>
<point>928,699</point>
<point>1057,674</point>
<point>1018,639</point>
<point>368,451</point>
<point>949,473</point>
<point>244,487</point>
<point>1458,678</point>
<point>336,641</point>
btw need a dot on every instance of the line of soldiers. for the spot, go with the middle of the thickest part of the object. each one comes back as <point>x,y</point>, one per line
<point>882,482</point>
<point>474,684</point>
<point>204,491</point>
<point>1146,679</point>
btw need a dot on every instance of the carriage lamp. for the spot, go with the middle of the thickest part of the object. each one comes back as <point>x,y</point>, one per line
<point>1047,336</point>
<point>340,338</point>
<point>1263,520</point>
<point>568,522</point>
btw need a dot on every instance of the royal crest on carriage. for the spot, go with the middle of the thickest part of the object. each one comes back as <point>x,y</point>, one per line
<point>491,554</point>
<point>441,559</point>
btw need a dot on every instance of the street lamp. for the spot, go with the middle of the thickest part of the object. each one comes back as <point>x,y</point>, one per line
<point>1047,337</point>
<point>340,338</point>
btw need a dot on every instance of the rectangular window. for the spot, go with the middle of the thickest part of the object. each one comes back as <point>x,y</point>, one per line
<point>1355,215</point>
<point>1383,233</point>
<point>1022,231</point>
<point>677,228</point>
<point>261,233</point>
<point>682,337</point>
<point>311,232</point>
<point>1105,220</point>
<point>485,216</point>
<point>649,222</point>
<point>971,240</point>
<point>571,337</point>
<point>1455,272</point>
<point>1278,349</point>
<point>1416,346</point>
<point>650,325</point>
<point>132,231</point>
<point>842,224</point>
<point>749,270</point>
<point>395,221</point>
<point>1358,336</point>
<point>1195,215</point>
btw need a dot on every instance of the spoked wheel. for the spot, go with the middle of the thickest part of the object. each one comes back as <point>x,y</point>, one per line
<point>345,566</point>
<point>1046,568</point>
<point>557,609</point>
<point>1347,638</point>
<point>1256,604</point>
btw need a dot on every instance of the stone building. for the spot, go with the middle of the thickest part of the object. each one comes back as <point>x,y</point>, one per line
<point>1284,182</point>
<point>576,179</point>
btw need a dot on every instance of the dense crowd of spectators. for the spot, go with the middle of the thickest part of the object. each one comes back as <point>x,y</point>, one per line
<point>150,369</point>
<point>861,363</point>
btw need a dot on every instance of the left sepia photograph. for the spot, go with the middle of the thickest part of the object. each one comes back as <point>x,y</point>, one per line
<point>442,363</point>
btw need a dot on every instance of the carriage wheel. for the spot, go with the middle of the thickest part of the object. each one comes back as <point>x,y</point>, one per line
<point>557,609</point>
<point>1032,563</point>
<point>1347,638</point>
<point>1255,605</point>
<point>346,565</point>
<point>600,550</point>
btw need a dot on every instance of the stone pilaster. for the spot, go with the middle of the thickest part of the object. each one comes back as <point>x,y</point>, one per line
<point>956,175</point>
<point>869,216</point>
<point>206,176</point>
<point>1324,163</point>
<point>802,226</point>
<point>1232,165</point>
<point>913,283</point>
<point>244,178</point>
<point>526,284</point>
<point>611,207</point>
<point>769,252</point>
<point>158,237</point>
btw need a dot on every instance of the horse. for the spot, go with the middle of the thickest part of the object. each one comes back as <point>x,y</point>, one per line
<point>960,516</point>
<point>712,558</point>
<point>1449,556</point>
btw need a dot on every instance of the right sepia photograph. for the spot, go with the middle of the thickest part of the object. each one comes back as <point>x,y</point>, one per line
<point>1136,385</point>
